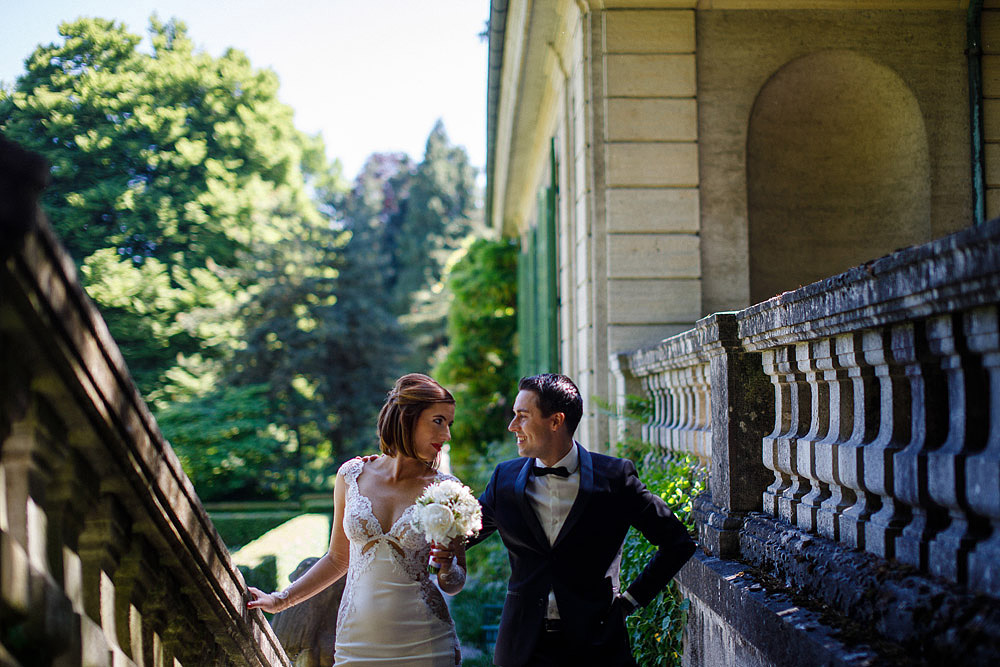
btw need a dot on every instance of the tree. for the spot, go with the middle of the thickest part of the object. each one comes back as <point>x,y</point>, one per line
<point>231,262</point>
<point>438,218</point>
<point>173,159</point>
<point>480,366</point>
<point>405,222</point>
<point>368,353</point>
<point>180,188</point>
<point>227,444</point>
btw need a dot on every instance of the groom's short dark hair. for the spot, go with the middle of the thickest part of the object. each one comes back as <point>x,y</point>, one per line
<point>556,393</point>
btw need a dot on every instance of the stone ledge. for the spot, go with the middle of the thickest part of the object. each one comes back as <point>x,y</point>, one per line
<point>953,273</point>
<point>689,348</point>
<point>74,366</point>
<point>779,630</point>
<point>931,620</point>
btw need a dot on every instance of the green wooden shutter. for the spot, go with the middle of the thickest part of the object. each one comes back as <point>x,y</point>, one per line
<point>538,280</point>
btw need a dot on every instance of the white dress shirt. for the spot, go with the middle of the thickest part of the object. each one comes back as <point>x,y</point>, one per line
<point>552,497</point>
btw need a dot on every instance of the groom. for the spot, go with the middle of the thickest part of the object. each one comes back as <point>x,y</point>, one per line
<point>563,512</point>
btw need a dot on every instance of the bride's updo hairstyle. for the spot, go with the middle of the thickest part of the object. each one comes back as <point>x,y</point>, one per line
<point>412,394</point>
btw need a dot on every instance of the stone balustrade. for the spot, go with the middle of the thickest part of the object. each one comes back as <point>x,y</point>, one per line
<point>676,380</point>
<point>106,554</point>
<point>885,394</point>
<point>708,402</point>
<point>887,435</point>
<point>859,415</point>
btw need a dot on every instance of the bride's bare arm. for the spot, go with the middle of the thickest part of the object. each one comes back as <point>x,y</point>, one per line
<point>451,560</point>
<point>324,572</point>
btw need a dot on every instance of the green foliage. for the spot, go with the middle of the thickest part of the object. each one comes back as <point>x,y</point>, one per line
<point>294,325</point>
<point>225,437</point>
<point>180,188</point>
<point>487,564</point>
<point>172,156</point>
<point>480,367</point>
<point>263,576</point>
<point>436,220</point>
<point>656,630</point>
<point>256,299</point>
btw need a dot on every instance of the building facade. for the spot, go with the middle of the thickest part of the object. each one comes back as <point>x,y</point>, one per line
<point>662,160</point>
<point>769,218</point>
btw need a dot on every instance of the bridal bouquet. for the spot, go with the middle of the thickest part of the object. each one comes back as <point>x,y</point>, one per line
<point>446,510</point>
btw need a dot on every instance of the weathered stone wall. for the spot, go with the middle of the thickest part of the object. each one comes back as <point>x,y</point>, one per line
<point>106,554</point>
<point>647,97</point>
<point>710,155</point>
<point>855,463</point>
<point>834,86</point>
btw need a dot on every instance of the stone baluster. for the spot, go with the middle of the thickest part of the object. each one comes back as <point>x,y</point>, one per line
<point>864,390</point>
<point>669,410</point>
<point>983,468</point>
<point>782,425</point>
<point>157,607</point>
<point>948,550</point>
<point>675,399</point>
<point>29,473</point>
<point>131,581</point>
<point>684,431</point>
<point>694,442</point>
<point>651,430</point>
<point>880,351</point>
<point>182,624</point>
<point>29,457</point>
<point>703,413</point>
<point>791,422</point>
<point>841,425</point>
<point>102,545</point>
<point>73,493</point>
<point>928,429</point>
<point>811,359</point>
<point>788,447</point>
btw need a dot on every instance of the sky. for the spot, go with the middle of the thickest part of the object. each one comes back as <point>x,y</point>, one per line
<point>370,75</point>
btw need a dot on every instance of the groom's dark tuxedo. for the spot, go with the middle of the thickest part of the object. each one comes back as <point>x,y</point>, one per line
<point>576,566</point>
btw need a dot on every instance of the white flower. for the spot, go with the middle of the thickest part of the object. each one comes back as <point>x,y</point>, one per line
<point>437,521</point>
<point>446,510</point>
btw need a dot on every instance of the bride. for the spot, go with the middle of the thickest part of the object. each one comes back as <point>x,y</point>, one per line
<point>391,613</point>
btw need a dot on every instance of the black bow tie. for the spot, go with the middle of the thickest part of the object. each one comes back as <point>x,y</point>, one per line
<point>560,471</point>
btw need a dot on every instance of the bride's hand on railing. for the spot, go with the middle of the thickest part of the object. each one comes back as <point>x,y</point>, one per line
<point>272,603</point>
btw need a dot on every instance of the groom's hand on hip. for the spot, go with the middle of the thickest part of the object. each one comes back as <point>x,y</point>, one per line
<point>624,603</point>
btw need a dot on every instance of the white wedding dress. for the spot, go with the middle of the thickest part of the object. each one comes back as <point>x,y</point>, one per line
<point>391,612</point>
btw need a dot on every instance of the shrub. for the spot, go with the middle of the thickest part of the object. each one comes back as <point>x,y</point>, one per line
<point>656,630</point>
<point>487,565</point>
<point>263,576</point>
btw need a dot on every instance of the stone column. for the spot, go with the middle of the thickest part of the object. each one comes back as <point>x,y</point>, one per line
<point>742,411</point>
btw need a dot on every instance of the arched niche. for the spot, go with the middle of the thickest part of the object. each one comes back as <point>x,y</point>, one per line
<point>837,170</point>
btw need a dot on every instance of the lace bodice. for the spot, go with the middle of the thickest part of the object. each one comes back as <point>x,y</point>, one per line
<point>407,548</point>
<point>365,532</point>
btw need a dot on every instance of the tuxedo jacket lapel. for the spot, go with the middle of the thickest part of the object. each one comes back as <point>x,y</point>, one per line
<point>530,518</point>
<point>582,496</point>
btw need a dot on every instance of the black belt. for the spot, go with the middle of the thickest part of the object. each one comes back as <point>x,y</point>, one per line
<point>553,625</point>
